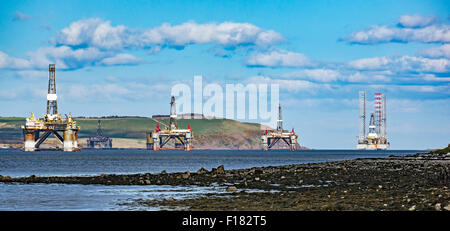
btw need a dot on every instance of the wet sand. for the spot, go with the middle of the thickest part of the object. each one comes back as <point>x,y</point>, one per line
<point>413,182</point>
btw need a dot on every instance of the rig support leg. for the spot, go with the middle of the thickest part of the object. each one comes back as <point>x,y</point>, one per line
<point>156,147</point>
<point>30,141</point>
<point>75,140</point>
<point>68,140</point>
<point>264,144</point>
<point>188,145</point>
<point>156,142</point>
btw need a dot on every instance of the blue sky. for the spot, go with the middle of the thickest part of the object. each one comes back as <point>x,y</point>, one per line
<point>121,58</point>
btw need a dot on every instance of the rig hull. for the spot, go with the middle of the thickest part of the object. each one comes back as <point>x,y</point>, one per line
<point>372,146</point>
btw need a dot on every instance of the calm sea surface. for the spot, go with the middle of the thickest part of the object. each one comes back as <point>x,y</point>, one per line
<point>16,163</point>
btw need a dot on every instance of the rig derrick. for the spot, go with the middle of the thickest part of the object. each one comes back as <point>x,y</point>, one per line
<point>376,138</point>
<point>51,123</point>
<point>270,138</point>
<point>99,141</point>
<point>158,139</point>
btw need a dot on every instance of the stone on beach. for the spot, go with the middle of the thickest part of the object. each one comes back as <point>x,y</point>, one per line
<point>186,175</point>
<point>231,189</point>
<point>202,170</point>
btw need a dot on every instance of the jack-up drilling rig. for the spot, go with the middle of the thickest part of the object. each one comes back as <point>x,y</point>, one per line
<point>157,139</point>
<point>270,138</point>
<point>99,141</point>
<point>377,135</point>
<point>51,123</point>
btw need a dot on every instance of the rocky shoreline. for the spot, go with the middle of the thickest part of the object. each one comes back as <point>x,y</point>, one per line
<point>413,182</point>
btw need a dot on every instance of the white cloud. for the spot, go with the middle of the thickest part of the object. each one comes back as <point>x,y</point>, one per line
<point>402,63</point>
<point>411,28</point>
<point>66,58</point>
<point>98,33</point>
<point>437,52</point>
<point>8,62</point>
<point>416,20</point>
<point>431,77</point>
<point>384,34</point>
<point>279,58</point>
<point>369,63</point>
<point>120,59</point>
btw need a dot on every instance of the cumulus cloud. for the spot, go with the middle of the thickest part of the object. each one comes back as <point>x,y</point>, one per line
<point>369,63</point>
<point>278,58</point>
<point>384,34</point>
<point>437,52</point>
<point>65,58</point>
<point>416,20</point>
<point>431,77</point>
<point>410,29</point>
<point>101,34</point>
<point>367,77</point>
<point>402,63</point>
<point>120,59</point>
<point>7,62</point>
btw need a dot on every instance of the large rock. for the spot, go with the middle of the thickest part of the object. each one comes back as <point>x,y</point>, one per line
<point>186,175</point>
<point>221,169</point>
<point>202,170</point>
<point>231,189</point>
<point>258,171</point>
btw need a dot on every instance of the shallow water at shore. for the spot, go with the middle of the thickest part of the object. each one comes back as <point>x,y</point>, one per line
<point>62,197</point>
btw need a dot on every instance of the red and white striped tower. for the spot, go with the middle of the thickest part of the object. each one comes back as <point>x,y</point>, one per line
<point>378,103</point>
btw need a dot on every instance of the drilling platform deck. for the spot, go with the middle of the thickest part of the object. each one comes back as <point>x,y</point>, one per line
<point>99,141</point>
<point>271,138</point>
<point>376,138</point>
<point>51,123</point>
<point>158,139</point>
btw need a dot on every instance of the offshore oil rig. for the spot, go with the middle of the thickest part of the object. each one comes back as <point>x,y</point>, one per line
<point>99,141</point>
<point>271,138</point>
<point>376,137</point>
<point>51,123</point>
<point>158,139</point>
